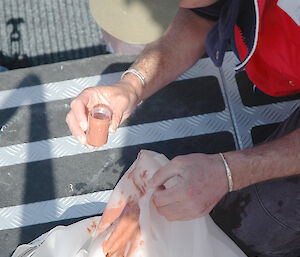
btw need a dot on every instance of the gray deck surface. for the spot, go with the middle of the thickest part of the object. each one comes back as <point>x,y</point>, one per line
<point>35,32</point>
<point>46,178</point>
<point>201,112</point>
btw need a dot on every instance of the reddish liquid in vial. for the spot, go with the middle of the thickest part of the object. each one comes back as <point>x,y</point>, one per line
<point>98,128</point>
<point>100,116</point>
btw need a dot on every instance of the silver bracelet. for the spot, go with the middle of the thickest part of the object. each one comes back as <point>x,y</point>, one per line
<point>137,73</point>
<point>228,173</point>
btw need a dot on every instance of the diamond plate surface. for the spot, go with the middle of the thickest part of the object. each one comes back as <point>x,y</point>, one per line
<point>53,91</point>
<point>138,134</point>
<point>125,136</point>
<point>71,88</point>
<point>236,118</point>
<point>245,118</point>
<point>53,210</point>
<point>203,68</point>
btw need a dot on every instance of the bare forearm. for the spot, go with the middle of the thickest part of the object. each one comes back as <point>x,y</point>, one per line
<point>279,158</point>
<point>178,49</point>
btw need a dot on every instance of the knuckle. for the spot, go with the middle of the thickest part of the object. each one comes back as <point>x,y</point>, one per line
<point>116,119</point>
<point>123,100</point>
<point>192,192</point>
<point>177,160</point>
<point>189,195</point>
<point>191,206</point>
<point>205,208</point>
<point>117,115</point>
<point>68,118</point>
<point>201,212</point>
<point>195,204</point>
<point>74,103</point>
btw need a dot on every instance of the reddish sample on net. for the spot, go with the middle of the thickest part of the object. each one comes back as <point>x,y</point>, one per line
<point>126,234</point>
<point>99,119</point>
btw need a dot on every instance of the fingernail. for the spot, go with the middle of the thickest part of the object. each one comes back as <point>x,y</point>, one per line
<point>83,125</point>
<point>91,148</point>
<point>111,130</point>
<point>82,140</point>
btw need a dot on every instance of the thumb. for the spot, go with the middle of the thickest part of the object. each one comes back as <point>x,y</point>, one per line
<point>115,121</point>
<point>161,176</point>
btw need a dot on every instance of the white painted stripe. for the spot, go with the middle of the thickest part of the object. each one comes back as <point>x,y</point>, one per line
<point>125,136</point>
<point>93,204</point>
<point>53,210</point>
<point>71,88</point>
<point>90,204</point>
<point>53,91</point>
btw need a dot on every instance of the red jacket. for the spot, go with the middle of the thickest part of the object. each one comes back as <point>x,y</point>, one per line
<point>273,64</point>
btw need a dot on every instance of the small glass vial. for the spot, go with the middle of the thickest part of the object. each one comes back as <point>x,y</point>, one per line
<point>99,119</point>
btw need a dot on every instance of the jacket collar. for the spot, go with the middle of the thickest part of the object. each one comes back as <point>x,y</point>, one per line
<point>259,7</point>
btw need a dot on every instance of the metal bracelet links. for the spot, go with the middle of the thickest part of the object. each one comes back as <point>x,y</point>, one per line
<point>228,172</point>
<point>137,73</point>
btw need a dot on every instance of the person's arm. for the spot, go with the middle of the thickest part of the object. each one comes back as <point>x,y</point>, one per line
<point>202,181</point>
<point>161,62</point>
<point>279,158</point>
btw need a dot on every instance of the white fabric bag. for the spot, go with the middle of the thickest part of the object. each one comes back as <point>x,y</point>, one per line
<point>157,238</point>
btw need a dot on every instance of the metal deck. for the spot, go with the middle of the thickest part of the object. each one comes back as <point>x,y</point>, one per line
<point>47,31</point>
<point>47,178</point>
